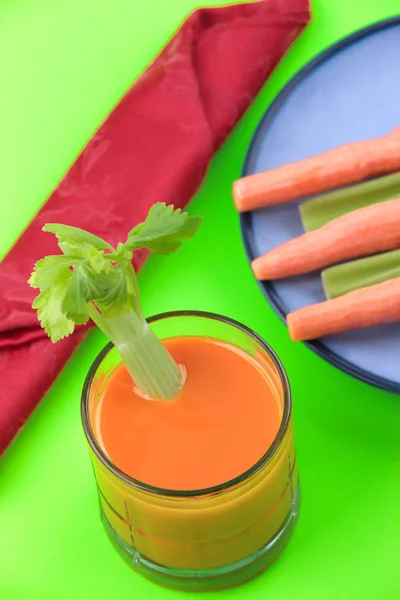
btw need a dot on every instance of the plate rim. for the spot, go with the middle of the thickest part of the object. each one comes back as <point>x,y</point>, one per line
<point>317,346</point>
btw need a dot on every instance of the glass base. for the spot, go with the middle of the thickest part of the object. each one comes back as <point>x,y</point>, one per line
<point>203,580</point>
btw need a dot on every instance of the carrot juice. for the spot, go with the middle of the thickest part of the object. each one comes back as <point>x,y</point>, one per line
<point>198,492</point>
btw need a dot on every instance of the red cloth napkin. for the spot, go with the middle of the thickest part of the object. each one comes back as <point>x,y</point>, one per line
<point>154,146</point>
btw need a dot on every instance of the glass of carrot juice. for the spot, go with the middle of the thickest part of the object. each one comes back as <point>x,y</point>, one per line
<point>200,492</point>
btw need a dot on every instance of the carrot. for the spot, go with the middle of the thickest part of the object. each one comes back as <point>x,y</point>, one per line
<point>338,167</point>
<point>360,308</point>
<point>358,233</point>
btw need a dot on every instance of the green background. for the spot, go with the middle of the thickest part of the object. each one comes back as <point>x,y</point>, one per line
<point>63,66</point>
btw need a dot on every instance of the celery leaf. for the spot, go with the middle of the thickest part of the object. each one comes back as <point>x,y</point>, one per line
<point>163,230</point>
<point>49,307</point>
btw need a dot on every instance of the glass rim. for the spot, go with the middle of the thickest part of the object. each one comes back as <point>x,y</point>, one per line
<point>265,458</point>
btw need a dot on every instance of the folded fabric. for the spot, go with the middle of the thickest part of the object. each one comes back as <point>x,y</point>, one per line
<point>154,146</point>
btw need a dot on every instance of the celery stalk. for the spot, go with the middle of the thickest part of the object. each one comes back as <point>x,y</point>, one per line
<point>323,208</point>
<point>94,280</point>
<point>149,363</point>
<point>340,279</point>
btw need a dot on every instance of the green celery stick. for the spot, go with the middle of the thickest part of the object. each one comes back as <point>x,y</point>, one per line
<point>340,279</point>
<point>93,280</point>
<point>323,208</point>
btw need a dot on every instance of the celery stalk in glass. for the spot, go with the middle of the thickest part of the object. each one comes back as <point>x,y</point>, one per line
<point>346,277</point>
<point>323,208</point>
<point>93,280</point>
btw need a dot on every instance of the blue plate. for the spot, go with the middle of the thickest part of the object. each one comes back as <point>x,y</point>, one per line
<point>349,92</point>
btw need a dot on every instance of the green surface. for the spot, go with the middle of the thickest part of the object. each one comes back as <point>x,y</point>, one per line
<point>63,66</point>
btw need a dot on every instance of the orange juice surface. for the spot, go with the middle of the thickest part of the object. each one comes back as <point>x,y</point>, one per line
<point>222,423</point>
